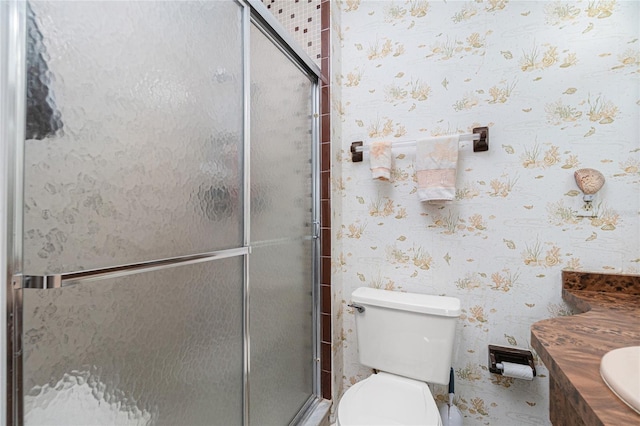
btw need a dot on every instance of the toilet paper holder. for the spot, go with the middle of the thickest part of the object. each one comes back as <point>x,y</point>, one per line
<point>500,354</point>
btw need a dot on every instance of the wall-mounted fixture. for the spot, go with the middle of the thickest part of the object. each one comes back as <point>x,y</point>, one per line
<point>589,181</point>
<point>511,362</point>
<point>479,136</point>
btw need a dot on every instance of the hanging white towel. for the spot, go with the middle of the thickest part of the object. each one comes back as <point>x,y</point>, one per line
<point>380,160</point>
<point>436,166</point>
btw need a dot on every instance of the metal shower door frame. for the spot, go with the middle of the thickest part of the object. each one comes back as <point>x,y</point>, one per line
<point>12,125</point>
<point>12,137</point>
<point>262,18</point>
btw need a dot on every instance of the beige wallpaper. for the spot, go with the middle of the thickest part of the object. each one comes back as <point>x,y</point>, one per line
<point>557,83</point>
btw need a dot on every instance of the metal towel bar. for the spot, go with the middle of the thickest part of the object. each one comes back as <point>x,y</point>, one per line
<point>480,138</point>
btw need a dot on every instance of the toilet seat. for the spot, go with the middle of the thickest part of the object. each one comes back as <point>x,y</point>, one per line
<point>387,399</point>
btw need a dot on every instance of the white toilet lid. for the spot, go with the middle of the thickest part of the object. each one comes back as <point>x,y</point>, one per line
<point>387,399</point>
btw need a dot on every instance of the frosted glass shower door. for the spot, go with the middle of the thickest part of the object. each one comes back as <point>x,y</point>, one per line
<point>134,132</point>
<point>158,347</point>
<point>282,214</point>
<point>133,203</point>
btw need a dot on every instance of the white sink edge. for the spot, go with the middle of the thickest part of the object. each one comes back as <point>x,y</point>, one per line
<point>620,370</point>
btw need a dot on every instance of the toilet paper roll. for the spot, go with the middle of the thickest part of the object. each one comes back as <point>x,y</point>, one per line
<point>517,371</point>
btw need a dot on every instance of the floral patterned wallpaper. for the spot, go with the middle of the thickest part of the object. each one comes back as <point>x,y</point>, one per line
<point>558,85</point>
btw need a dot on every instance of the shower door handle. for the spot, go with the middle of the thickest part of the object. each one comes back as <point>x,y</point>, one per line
<point>40,281</point>
<point>71,278</point>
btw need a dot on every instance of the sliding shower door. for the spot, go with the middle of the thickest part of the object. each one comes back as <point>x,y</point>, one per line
<point>282,235</point>
<point>167,271</point>
<point>133,177</point>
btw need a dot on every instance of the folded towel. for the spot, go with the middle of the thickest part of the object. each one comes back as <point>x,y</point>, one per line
<point>380,159</point>
<point>436,164</point>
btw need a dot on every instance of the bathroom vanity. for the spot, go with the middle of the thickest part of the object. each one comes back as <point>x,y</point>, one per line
<point>572,347</point>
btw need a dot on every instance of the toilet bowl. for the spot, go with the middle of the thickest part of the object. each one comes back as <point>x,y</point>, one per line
<point>408,338</point>
<point>387,399</point>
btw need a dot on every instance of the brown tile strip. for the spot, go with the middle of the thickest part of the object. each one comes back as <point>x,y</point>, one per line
<point>325,384</point>
<point>325,188</point>
<point>325,128</point>
<point>326,356</point>
<point>325,94</point>
<point>326,328</point>
<point>325,155</point>
<point>325,199</point>
<point>325,217</point>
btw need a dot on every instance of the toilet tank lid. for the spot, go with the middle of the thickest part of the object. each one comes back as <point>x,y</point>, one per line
<point>423,303</point>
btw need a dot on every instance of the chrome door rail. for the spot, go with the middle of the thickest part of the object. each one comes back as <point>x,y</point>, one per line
<point>72,278</point>
<point>12,125</point>
<point>246,279</point>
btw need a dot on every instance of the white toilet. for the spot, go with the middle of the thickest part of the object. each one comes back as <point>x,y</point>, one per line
<point>408,338</point>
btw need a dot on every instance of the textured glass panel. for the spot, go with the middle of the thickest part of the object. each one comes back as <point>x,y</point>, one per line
<point>134,122</point>
<point>281,144</point>
<point>281,275</point>
<point>281,331</point>
<point>162,347</point>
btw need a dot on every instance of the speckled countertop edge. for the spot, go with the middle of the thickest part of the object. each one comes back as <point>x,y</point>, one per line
<point>571,347</point>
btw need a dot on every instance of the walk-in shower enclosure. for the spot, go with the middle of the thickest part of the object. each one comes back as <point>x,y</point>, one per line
<point>160,214</point>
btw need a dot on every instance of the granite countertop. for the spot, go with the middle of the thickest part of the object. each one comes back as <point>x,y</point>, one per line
<point>571,347</point>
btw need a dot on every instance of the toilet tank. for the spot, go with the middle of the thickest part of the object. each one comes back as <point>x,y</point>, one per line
<point>407,334</point>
